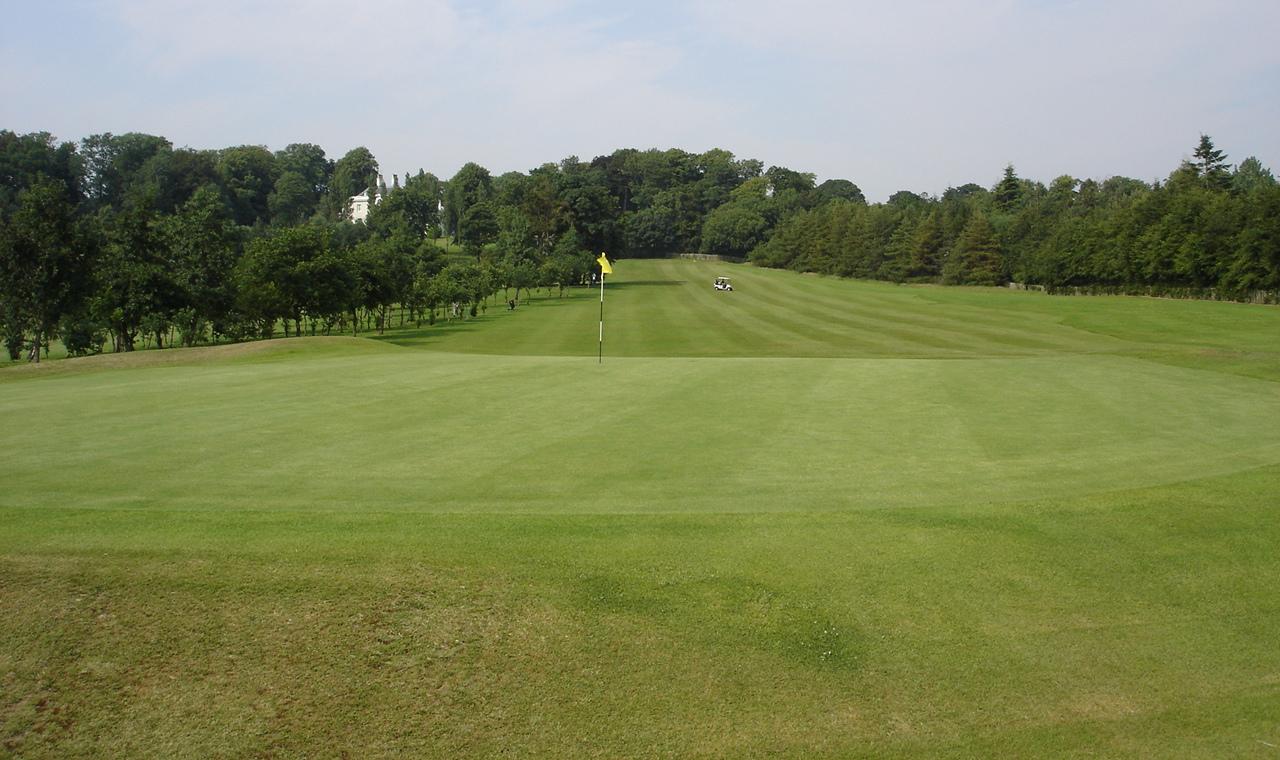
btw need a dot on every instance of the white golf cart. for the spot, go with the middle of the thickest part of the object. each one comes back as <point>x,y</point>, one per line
<point>722,283</point>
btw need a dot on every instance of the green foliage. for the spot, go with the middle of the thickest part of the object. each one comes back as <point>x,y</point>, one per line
<point>471,185</point>
<point>26,158</point>
<point>1008,194</point>
<point>273,277</point>
<point>45,260</point>
<point>249,174</point>
<point>733,230</point>
<point>292,200</point>
<point>202,245</point>
<point>1211,165</point>
<point>839,189</point>
<point>478,227</point>
<point>352,175</point>
<point>1251,175</point>
<point>413,209</point>
<point>136,288</point>
<point>81,335</point>
<point>975,258</point>
<point>112,164</point>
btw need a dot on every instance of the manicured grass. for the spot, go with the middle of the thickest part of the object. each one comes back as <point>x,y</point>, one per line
<point>807,518</point>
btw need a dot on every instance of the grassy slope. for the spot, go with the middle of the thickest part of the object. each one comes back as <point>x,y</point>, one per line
<point>880,520</point>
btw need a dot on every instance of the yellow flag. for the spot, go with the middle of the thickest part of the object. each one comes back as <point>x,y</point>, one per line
<point>603,261</point>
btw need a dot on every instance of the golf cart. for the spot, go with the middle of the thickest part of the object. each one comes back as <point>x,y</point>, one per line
<point>722,283</point>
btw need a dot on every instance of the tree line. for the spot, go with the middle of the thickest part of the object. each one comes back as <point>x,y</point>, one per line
<point>1208,230</point>
<point>122,239</point>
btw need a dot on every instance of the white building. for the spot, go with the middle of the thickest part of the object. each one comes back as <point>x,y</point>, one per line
<point>358,205</point>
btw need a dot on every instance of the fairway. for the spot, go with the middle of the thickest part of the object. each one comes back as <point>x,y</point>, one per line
<point>810,517</point>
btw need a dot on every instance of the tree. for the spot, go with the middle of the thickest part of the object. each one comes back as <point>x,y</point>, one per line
<point>839,189</point>
<point>650,231</point>
<point>478,227</point>
<point>587,205</point>
<point>25,158</point>
<point>169,178</point>
<point>782,179</point>
<point>897,259</point>
<point>43,260</point>
<point>975,258</point>
<point>905,199</point>
<point>1254,263</point>
<point>249,174</point>
<point>135,280</point>
<point>568,263</point>
<point>292,200</point>
<point>1211,165</point>
<point>927,247</point>
<point>272,277</point>
<point>413,208</point>
<point>471,185</point>
<point>352,174</point>
<point>203,246</point>
<point>309,162</point>
<point>1251,175</point>
<point>333,289</point>
<point>733,230</point>
<point>544,212</point>
<point>967,190</point>
<point>1008,192</point>
<point>113,162</point>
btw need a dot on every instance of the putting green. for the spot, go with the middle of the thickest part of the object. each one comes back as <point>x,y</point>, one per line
<point>983,400</point>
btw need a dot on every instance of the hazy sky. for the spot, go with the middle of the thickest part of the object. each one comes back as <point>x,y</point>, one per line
<point>912,94</point>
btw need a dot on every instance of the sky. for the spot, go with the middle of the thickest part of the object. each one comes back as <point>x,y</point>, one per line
<point>913,94</point>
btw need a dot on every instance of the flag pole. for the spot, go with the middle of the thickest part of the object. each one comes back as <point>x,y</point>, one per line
<point>603,261</point>
<point>600,360</point>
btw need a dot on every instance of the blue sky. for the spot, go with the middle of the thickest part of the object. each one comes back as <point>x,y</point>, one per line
<point>915,94</point>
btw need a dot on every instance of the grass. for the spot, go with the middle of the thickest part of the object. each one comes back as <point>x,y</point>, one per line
<point>808,518</point>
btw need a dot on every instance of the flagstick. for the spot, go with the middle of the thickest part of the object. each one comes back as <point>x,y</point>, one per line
<point>601,359</point>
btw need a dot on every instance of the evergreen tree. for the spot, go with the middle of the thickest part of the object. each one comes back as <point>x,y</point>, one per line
<point>1251,175</point>
<point>1008,193</point>
<point>927,245</point>
<point>975,258</point>
<point>1211,165</point>
<point>897,257</point>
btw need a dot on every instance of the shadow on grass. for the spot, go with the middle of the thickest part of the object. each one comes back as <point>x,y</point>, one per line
<point>411,335</point>
<point>641,284</point>
<point>422,335</point>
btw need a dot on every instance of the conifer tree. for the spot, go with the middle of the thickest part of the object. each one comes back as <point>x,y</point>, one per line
<point>1211,165</point>
<point>1008,194</point>
<point>975,259</point>
<point>926,247</point>
<point>897,259</point>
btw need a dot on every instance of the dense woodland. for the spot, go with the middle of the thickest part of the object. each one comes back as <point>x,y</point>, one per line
<point>124,240</point>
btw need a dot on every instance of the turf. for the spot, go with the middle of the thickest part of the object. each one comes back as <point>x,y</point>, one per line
<point>811,517</point>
